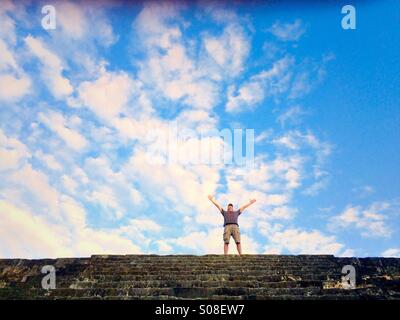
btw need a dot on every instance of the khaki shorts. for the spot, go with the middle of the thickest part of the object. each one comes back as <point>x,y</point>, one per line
<point>231,230</point>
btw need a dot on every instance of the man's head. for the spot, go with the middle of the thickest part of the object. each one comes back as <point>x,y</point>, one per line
<point>230,207</point>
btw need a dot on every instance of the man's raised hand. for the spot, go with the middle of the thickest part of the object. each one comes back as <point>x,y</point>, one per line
<point>215,202</point>
<point>246,205</point>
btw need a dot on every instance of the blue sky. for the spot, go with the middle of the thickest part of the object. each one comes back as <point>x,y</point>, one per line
<point>78,102</point>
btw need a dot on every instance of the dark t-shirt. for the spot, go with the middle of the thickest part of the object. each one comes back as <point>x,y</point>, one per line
<point>230,217</point>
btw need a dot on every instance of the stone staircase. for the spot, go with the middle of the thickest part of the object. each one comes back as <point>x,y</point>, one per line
<point>201,277</point>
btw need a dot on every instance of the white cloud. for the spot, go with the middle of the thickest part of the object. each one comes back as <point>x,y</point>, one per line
<point>15,84</point>
<point>82,32</point>
<point>296,141</point>
<point>48,223</point>
<point>141,230</point>
<point>7,24</point>
<point>51,68</point>
<point>168,67</point>
<point>200,120</point>
<point>13,153</point>
<point>105,196</point>
<point>370,221</point>
<point>80,175</point>
<point>266,83</point>
<point>134,129</point>
<point>263,136</point>
<point>288,31</point>
<point>72,212</point>
<point>163,247</point>
<point>309,74</point>
<point>211,242</point>
<point>49,160</point>
<point>297,241</point>
<point>14,88</point>
<point>105,241</point>
<point>7,59</point>
<point>70,184</point>
<point>248,96</point>
<point>283,212</point>
<point>273,179</point>
<point>107,95</point>
<point>347,253</point>
<point>173,185</point>
<point>316,187</point>
<point>26,235</point>
<point>141,225</point>
<point>36,186</point>
<point>72,19</point>
<point>80,22</point>
<point>292,115</point>
<point>391,252</point>
<point>276,199</point>
<point>363,191</point>
<point>287,141</point>
<point>230,50</point>
<point>153,20</point>
<point>58,123</point>
<point>113,190</point>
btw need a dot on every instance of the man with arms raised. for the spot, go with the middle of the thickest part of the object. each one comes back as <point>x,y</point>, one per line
<point>231,226</point>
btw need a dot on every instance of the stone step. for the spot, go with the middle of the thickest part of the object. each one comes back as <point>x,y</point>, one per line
<point>233,267</point>
<point>202,292</point>
<point>177,269</point>
<point>213,256</point>
<point>205,263</point>
<point>244,258</point>
<point>264,277</point>
<point>215,277</point>
<point>205,272</point>
<point>224,273</point>
<point>219,262</point>
<point>281,282</point>
<point>191,292</point>
<point>212,261</point>
<point>216,266</point>
<point>189,284</point>
<point>378,262</point>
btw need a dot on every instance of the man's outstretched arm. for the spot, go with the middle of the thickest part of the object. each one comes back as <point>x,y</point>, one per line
<point>247,205</point>
<point>212,199</point>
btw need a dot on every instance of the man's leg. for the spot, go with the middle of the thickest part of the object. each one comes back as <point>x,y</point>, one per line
<point>226,237</point>
<point>236,236</point>
<point>239,248</point>
<point>226,245</point>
